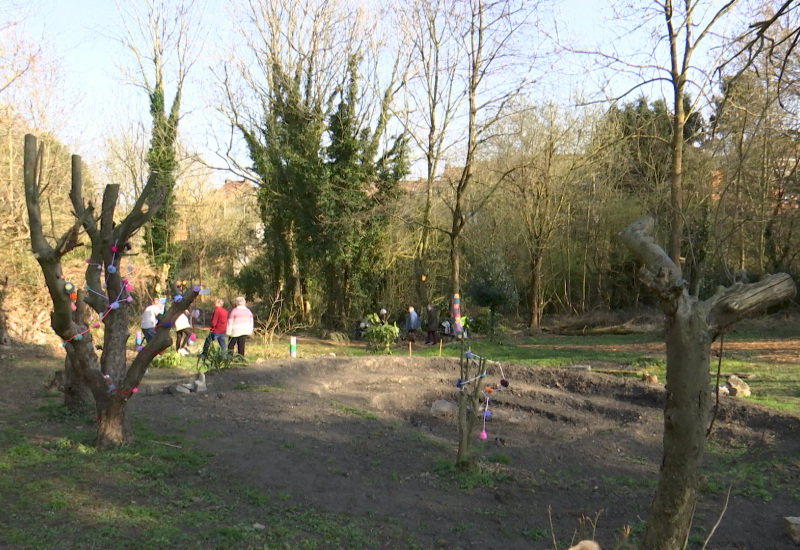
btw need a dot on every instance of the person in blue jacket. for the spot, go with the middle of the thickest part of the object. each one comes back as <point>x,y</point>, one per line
<point>412,324</point>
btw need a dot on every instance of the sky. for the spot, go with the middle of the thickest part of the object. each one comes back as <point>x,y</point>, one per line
<point>80,34</point>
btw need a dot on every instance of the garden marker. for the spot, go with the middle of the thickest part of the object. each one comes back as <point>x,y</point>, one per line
<point>293,346</point>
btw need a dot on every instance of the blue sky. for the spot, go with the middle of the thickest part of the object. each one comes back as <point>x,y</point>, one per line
<point>79,31</point>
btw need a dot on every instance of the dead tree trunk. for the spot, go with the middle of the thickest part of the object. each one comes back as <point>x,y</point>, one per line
<point>691,326</point>
<point>111,380</point>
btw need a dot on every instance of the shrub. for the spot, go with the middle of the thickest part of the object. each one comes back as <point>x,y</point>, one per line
<point>217,360</point>
<point>168,360</point>
<point>380,337</point>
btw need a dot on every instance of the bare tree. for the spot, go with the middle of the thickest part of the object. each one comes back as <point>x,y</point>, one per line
<point>486,32</point>
<point>111,380</point>
<point>691,326</point>
<point>433,101</point>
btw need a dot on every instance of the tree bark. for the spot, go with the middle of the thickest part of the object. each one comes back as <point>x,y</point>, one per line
<point>536,293</point>
<point>5,339</point>
<point>691,326</point>
<point>110,379</point>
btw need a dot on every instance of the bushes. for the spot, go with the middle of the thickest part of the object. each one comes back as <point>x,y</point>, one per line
<point>380,337</point>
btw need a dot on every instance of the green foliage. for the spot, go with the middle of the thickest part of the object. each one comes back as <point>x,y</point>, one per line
<point>492,285</point>
<point>325,193</point>
<point>163,164</point>
<point>380,337</point>
<point>166,360</point>
<point>217,360</point>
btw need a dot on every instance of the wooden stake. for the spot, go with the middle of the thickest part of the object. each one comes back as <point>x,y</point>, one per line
<point>409,348</point>
<point>440,347</point>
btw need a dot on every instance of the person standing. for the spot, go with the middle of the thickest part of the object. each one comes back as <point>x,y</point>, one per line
<point>219,325</point>
<point>432,323</point>
<point>150,319</point>
<point>240,325</point>
<point>412,324</point>
<point>183,329</point>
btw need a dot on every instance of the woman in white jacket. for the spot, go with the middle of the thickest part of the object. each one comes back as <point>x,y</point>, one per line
<point>240,325</point>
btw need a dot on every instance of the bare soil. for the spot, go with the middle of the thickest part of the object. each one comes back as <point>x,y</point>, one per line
<point>357,435</point>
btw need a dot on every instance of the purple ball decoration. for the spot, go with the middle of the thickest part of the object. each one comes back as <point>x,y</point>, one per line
<point>138,348</point>
<point>196,288</point>
<point>459,383</point>
<point>504,383</point>
<point>167,324</point>
<point>177,298</point>
<point>111,269</point>
<point>114,305</point>
<point>129,299</point>
<point>487,414</point>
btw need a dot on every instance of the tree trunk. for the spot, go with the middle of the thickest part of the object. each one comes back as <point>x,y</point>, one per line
<point>455,264</point>
<point>77,395</point>
<point>686,415</point>
<point>691,327</point>
<point>536,293</point>
<point>113,428</point>
<point>5,339</point>
<point>466,429</point>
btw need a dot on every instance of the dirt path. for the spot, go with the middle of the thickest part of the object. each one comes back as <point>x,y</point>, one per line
<point>357,435</point>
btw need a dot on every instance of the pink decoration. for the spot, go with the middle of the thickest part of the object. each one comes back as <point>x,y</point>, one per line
<point>134,390</point>
<point>483,435</point>
<point>96,325</point>
<point>72,306</point>
<point>128,287</point>
<point>113,248</point>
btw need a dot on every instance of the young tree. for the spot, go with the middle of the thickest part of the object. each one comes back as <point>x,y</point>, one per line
<point>111,380</point>
<point>691,326</point>
<point>434,101</point>
<point>543,159</point>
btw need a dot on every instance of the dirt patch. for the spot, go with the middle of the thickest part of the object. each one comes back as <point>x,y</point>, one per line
<point>357,435</point>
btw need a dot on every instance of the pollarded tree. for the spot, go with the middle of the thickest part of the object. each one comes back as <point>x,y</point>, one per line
<point>691,326</point>
<point>111,379</point>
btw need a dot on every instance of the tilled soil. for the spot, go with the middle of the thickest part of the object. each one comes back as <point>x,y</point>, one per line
<point>357,435</point>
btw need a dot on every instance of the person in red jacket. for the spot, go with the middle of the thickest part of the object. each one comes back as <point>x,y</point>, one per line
<point>219,323</point>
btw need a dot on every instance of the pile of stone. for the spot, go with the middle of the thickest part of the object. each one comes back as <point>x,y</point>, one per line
<point>198,385</point>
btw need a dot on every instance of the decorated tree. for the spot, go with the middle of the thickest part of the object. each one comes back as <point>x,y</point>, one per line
<point>110,378</point>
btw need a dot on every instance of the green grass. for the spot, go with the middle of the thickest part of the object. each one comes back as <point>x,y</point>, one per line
<point>355,411</point>
<point>480,474</point>
<point>146,495</point>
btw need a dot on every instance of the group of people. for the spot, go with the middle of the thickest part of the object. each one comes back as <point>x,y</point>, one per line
<point>228,329</point>
<point>414,323</point>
